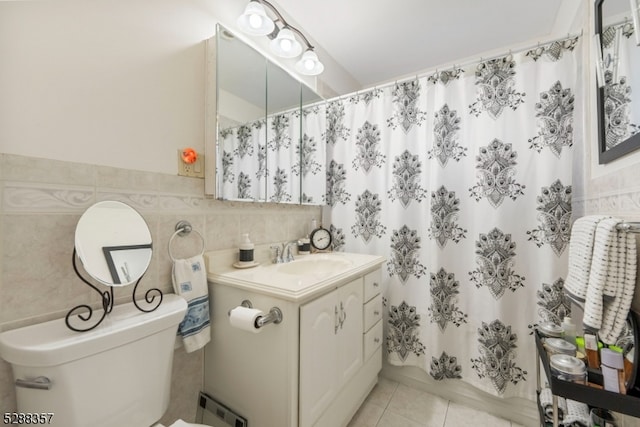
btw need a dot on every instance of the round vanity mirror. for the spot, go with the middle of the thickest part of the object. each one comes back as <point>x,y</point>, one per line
<point>113,242</point>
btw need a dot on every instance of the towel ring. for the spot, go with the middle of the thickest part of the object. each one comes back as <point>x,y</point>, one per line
<point>183,229</point>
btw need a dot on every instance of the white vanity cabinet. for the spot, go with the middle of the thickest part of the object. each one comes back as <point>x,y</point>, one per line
<point>331,351</point>
<point>372,313</point>
<point>317,366</point>
<point>357,352</point>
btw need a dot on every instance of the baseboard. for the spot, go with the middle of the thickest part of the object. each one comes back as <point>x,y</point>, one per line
<point>519,410</point>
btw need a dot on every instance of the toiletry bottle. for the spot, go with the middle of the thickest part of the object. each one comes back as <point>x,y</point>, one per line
<point>628,365</point>
<point>569,329</point>
<point>246,249</point>
<point>591,349</point>
<point>612,370</point>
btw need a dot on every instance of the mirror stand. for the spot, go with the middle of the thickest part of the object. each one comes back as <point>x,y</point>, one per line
<point>107,301</point>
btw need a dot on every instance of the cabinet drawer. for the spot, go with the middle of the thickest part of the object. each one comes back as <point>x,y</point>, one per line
<point>372,312</point>
<point>372,340</point>
<point>372,284</point>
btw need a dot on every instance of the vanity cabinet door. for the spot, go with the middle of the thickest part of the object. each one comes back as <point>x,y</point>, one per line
<point>349,344</point>
<point>318,358</point>
<point>331,350</point>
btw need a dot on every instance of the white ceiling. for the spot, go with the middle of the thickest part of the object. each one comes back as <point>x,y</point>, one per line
<point>377,41</point>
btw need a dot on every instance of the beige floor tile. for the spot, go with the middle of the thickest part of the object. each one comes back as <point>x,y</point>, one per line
<point>419,406</point>
<point>628,420</point>
<point>391,419</point>
<point>462,416</point>
<point>382,392</point>
<point>368,415</point>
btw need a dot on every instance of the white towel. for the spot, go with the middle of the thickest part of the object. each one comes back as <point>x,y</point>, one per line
<point>190,282</point>
<point>611,280</point>
<point>580,255</point>
<point>616,310</point>
<point>546,401</point>
<point>577,414</point>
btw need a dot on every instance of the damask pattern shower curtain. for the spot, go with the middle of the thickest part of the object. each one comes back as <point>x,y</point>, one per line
<point>462,180</point>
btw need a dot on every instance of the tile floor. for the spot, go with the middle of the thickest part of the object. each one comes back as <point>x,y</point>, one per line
<point>391,404</point>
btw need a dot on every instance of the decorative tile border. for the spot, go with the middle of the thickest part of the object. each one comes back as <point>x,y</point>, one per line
<point>138,201</point>
<point>35,197</point>
<point>624,203</point>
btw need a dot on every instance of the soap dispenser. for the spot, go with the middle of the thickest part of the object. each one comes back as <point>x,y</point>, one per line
<point>246,249</point>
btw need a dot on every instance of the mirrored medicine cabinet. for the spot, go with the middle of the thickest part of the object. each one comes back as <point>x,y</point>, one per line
<point>618,92</point>
<point>268,128</point>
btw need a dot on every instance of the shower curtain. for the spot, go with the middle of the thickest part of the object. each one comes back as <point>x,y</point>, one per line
<point>462,180</point>
<point>276,159</point>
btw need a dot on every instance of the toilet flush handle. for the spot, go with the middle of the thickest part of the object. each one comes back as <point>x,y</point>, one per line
<point>40,383</point>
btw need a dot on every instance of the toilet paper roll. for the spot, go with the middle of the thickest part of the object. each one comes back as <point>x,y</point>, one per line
<point>245,318</point>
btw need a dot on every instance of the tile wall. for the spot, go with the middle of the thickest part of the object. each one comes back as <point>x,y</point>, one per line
<point>41,201</point>
<point>616,193</point>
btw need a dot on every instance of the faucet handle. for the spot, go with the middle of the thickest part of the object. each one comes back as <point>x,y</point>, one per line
<point>278,256</point>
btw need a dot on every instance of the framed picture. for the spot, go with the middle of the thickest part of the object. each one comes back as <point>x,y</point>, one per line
<point>127,263</point>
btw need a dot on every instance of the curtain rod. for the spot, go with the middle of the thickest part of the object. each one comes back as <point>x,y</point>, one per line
<point>621,22</point>
<point>454,65</point>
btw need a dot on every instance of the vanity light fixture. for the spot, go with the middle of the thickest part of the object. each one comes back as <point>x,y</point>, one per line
<point>309,63</point>
<point>255,21</point>
<point>284,43</point>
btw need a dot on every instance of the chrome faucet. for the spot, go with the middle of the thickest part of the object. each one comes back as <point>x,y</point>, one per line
<point>287,255</point>
<point>283,252</point>
<point>277,259</point>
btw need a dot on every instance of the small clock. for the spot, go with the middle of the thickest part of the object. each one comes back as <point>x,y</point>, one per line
<point>320,239</point>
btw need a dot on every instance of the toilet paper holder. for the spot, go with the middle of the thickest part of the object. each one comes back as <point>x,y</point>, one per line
<point>273,316</point>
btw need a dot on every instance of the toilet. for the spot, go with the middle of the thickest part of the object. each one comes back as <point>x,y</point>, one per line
<point>116,375</point>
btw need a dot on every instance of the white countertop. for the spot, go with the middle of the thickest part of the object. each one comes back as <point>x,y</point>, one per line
<point>286,280</point>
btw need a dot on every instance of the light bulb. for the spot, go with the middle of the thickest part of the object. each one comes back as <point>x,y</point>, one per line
<point>309,64</point>
<point>255,20</point>
<point>285,44</point>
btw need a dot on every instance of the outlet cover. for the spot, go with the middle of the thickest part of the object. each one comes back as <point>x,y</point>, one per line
<point>193,170</point>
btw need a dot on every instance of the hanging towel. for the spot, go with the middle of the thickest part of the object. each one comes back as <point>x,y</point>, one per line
<point>580,255</point>
<point>190,282</point>
<point>546,402</point>
<point>616,311</point>
<point>619,283</point>
<point>611,280</point>
<point>603,276</point>
<point>577,415</point>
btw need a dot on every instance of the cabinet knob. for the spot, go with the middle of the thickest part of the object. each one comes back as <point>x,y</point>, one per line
<point>376,340</point>
<point>375,284</point>
<point>376,313</point>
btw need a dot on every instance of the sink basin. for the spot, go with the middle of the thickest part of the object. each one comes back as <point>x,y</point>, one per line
<point>297,280</point>
<point>314,266</point>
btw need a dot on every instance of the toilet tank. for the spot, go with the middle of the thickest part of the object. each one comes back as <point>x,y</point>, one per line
<point>116,375</point>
